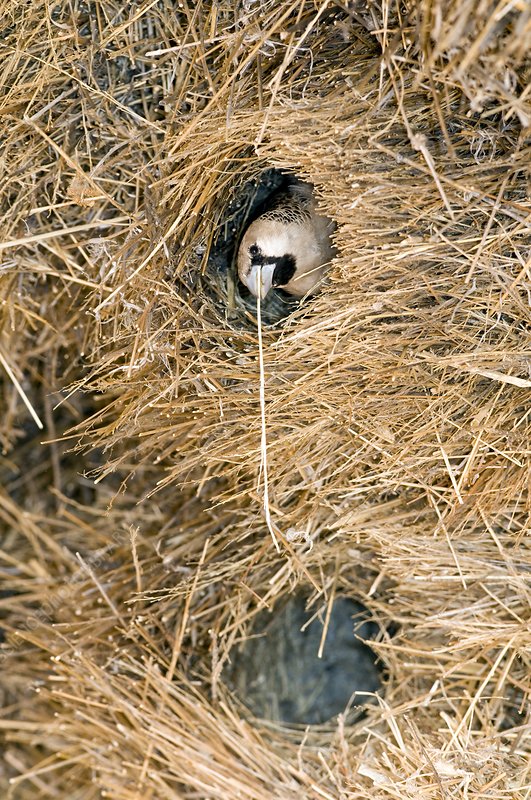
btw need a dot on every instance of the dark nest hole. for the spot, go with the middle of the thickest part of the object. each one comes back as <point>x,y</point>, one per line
<point>252,200</point>
<point>278,674</point>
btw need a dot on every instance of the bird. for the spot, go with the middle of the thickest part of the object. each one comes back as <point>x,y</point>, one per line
<point>288,246</point>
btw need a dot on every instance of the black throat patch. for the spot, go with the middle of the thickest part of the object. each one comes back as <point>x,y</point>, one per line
<point>284,266</point>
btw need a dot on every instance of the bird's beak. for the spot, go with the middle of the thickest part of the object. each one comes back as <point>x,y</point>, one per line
<point>260,280</point>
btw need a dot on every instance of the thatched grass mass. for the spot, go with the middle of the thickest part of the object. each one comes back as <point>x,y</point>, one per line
<point>134,549</point>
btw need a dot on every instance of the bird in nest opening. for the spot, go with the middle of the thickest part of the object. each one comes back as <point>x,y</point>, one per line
<point>288,246</point>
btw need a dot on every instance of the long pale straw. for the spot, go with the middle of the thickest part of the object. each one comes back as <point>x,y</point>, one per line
<point>21,392</point>
<point>263,441</point>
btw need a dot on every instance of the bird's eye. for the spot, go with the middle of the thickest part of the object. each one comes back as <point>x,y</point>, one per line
<point>254,250</point>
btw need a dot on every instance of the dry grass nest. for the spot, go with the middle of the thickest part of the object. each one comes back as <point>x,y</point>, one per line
<point>135,551</point>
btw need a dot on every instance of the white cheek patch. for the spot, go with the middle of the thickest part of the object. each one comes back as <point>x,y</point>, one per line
<point>273,246</point>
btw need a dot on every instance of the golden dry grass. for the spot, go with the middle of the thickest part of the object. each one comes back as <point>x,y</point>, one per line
<point>134,550</point>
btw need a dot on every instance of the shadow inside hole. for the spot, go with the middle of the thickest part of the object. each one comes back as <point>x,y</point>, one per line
<point>278,675</point>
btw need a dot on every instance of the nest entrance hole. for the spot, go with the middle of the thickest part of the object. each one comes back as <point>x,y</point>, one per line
<point>279,676</point>
<point>251,201</point>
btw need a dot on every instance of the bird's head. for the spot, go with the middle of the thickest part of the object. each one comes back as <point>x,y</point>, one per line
<point>264,260</point>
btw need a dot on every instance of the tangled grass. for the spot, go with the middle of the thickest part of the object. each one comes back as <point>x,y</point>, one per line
<point>135,553</point>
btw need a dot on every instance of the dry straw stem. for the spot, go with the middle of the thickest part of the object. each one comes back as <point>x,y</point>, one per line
<point>397,400</point>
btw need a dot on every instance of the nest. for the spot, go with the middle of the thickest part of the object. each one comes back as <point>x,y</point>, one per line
<point>136,552</point>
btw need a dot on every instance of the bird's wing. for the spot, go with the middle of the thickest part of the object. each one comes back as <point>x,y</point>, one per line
<point>294,204</point>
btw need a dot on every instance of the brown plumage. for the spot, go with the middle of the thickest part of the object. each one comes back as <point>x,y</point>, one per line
<point>288,246</point>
